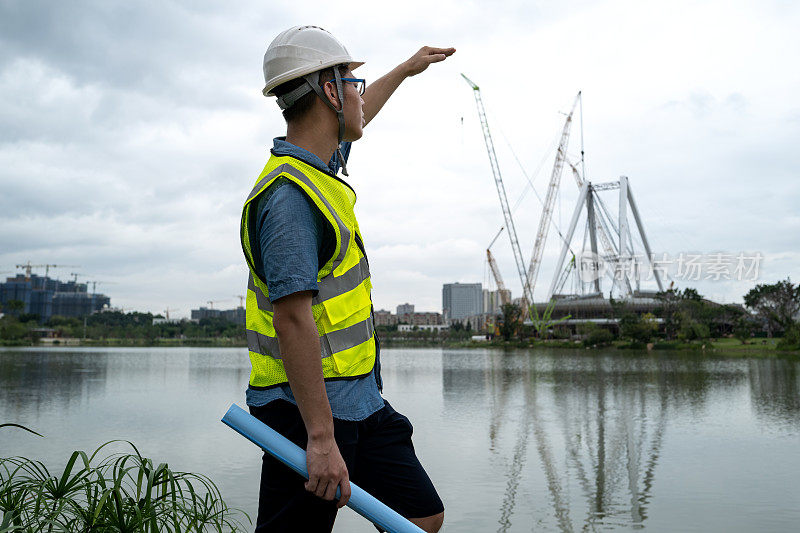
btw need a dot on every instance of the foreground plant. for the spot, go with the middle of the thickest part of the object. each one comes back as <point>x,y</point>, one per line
<point>121,493</point>
<point>541,325</point>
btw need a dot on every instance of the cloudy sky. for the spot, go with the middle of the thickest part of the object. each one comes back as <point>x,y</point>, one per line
<point>130,133</point>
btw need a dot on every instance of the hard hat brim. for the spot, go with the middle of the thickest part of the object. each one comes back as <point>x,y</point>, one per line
<point>300,72</point>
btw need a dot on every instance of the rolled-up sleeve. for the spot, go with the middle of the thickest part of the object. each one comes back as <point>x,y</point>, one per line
<point>290,233</point>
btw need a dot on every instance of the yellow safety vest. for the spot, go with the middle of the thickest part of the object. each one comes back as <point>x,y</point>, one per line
<point>342,308</point>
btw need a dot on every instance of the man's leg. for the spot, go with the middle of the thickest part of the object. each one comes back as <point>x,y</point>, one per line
<point>387,467</point>
<point>283,503</point>
<point>431,524</point>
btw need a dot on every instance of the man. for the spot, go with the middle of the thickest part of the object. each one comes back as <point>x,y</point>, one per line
<point>315,357</point>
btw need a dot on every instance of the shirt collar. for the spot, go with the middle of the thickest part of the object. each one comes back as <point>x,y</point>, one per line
<point>281,147</point>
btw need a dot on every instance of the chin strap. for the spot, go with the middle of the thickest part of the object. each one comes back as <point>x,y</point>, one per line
<point>340,117</point>
<point>312,79</point>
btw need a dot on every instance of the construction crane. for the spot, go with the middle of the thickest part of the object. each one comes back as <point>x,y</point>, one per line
<point>241,299</point>
<point>549,202</point>
<point>495,271</point>
<point>501,191</point>
<point>94,284</point>
<point>28,267</point>
<point>167,310</point>
<point>212,302</point>
<point>498,279</point>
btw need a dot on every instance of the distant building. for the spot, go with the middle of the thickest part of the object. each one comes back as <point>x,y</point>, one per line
<point>161,320</point>
<point>205,312</point>
<point>476,322</point>
<point>422,327</point>
<point>236,315</point>
<point>46,297</point>
<point>404,311</point>
<point>494,300</point>
<point>385,318</point>
<point>425,319</point>
<point>460,300</point>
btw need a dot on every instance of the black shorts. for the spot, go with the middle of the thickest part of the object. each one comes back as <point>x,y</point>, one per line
<point>380,459</point>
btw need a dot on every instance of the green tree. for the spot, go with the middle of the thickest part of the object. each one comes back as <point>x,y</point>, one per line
<point>669,303</point>
<point>598,337</point>
<point>640,329</point>
<point>744,328</point>
<point>791,338</point>
<point>511,320</point>
<point>13,307</point>
<point>691,294</point>
<point>725,319</point>
<point>12,329</point>
<point>689,328</point>
<point>776,304</point>
<point>686,314</point>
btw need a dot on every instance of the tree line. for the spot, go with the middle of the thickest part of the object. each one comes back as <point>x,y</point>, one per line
<point>16,327</point>
<point>770,309</point>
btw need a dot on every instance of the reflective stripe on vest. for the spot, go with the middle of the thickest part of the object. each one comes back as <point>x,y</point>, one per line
<point>292,171</point>
<point>344,283</point>
<point>342,309</point>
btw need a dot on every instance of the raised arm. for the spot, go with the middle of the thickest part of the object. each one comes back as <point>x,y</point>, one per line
<point>379,91</point>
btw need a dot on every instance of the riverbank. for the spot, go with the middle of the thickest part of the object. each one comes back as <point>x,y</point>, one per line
<point>725,347</point>
<point>220,342</point>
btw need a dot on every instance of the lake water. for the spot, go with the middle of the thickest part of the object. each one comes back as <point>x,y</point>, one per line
<point>514,441</point>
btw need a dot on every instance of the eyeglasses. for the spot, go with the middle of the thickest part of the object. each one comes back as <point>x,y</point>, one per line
<point>360,83</point>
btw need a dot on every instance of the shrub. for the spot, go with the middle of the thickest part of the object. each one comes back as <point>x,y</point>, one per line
<point>790,339</point>
<point>598,337</point>
<point>638,329</point>
<point>123,492</point>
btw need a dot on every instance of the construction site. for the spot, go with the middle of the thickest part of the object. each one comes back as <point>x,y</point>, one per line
<point>603,256</point>
<point>46,297</point>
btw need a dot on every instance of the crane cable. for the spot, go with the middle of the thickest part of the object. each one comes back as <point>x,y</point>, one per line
<point>530,184</point>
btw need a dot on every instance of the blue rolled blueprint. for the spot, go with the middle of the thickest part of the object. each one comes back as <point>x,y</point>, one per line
<point>294,457</point>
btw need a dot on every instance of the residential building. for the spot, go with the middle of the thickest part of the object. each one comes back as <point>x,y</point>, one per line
<point>236,315</point>
<point>46,297</point>
<point>426,318</point>
<point>385,318</point>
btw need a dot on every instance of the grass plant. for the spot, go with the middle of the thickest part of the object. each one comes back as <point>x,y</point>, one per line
<point>122,492</point>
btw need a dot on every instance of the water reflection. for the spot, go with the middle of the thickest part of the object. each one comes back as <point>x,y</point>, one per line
<point>217,369</point>
<point>594,427</point>
<point>30,380</point>
<point>518,440</point>
<point>775,389</point>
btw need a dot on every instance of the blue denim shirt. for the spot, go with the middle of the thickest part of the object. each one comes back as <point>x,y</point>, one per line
<point>292,240</point>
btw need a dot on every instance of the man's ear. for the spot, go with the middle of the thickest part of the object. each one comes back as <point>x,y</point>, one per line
<point>329,89</point>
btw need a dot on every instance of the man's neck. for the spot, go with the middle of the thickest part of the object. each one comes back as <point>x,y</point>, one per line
<point>313,139</point>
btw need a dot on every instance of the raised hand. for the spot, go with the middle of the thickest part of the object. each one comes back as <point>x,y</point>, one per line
<point>424,57</point>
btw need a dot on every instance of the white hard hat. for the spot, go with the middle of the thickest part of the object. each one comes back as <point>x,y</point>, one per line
<point>299,51</point>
